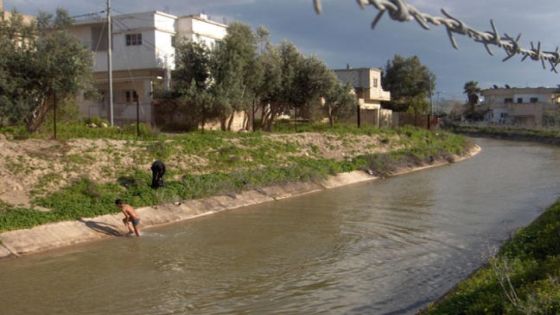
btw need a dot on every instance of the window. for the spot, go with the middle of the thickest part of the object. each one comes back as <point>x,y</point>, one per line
<point>374,82</point>
<point>133,39</point>
<point>519,100</point>
<point>508,100</point>
<point>173,43</point>
<point>131,96</point>
<point>534,100</point>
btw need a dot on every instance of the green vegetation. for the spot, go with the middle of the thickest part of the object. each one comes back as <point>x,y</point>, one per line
<point>524,278</point>
<point>245,72</point>
<point>507,132</point>
<point>78,130</point>
<point>410,82</point>
<point>40,64</point>
<point>233,162</point>
<point>472,90</point>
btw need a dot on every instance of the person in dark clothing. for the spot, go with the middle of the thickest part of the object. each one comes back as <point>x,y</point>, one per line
<point>158,170</point>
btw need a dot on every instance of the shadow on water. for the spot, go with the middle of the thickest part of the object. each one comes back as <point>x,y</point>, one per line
<point>101,227</point>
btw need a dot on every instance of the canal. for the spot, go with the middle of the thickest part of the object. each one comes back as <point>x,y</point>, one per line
<point>383,247</point>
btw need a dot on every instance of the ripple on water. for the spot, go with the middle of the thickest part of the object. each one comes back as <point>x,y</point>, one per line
<point>385,247</point>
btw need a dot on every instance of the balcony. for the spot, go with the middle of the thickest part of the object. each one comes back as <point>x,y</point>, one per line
<point>378,94</point>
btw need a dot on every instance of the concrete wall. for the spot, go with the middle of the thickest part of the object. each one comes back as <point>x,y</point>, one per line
<point>366,82</point>
<point>521,106</point>
<point>124,109</point>
<point>199,28</point>
<point>156,28</point>
<point>238,123</point>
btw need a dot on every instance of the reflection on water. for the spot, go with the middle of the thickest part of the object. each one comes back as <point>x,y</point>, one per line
<point>386,247</point>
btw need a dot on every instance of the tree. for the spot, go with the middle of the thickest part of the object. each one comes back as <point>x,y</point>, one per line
<point>471,89</point>
<point>236,76</point>
<point>313,80</point>
<point>410,83</point>
<point>268,88</point>
<point>340,102</point>
<point>192,61</point>
<point>40,61</point>
<point>234,72</point>
<point>192,83</point>
<point>18,84</point>
<point>282,95</point>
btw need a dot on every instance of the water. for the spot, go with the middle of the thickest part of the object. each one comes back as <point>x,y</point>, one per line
<point>385,247</point>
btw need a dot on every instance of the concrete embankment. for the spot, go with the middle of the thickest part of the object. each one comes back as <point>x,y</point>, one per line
<point>61,234</point>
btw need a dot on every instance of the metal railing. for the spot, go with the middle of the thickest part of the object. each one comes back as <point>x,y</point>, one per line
<point>400,10</point>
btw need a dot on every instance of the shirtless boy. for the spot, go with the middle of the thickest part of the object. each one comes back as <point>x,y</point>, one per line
<point>131,218</point>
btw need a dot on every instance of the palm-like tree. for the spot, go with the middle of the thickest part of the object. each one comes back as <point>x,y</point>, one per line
<point>471,89</point>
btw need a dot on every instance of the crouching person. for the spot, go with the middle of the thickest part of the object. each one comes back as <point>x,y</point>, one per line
<point>158,170</point>
<point>131,218</point>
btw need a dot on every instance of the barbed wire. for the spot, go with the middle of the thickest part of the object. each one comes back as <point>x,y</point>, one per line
<point>400,10</point>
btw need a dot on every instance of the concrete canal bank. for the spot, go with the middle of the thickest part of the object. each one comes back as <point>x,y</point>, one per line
<point>62,234</point>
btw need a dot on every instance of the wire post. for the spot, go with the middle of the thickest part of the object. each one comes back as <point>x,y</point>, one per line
<point>358,116</point>
<point>137,115</point>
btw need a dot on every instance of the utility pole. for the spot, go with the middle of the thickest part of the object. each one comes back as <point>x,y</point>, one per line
<point>110,61</point>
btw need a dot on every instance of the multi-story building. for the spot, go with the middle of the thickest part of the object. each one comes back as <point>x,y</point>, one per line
<point>529,107</point>
<point>143,54</point>
<point>370,94</point>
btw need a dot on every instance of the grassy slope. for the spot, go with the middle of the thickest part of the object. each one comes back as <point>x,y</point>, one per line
<point>524,278</point>
<point>232,167</point>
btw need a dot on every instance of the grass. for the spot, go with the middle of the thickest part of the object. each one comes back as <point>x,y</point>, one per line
<point>67,131</point>
<point>235,162</point>
<point>523,278</point>
<point>536,134</point>
<point>337,129</point>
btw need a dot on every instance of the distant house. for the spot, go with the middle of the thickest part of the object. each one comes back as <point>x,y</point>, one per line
<point>143,55</point>
<point>528,107</point>
<point>367,86</point>
<point>5,15</point>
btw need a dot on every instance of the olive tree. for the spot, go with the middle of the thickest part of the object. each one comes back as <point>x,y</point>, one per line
<point>39,61</point>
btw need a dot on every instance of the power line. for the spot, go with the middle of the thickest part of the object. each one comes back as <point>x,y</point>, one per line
<point>88,14</point>
<point>400,10</point>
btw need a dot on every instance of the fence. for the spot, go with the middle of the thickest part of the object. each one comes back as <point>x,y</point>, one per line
<point>401,119</point>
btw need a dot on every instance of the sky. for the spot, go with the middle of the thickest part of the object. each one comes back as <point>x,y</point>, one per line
<point>342,35</point>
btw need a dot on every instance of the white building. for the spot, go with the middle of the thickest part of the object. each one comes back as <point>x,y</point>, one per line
<point>143,54</point>
<point>529,107</point>
<point>367,85</point>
